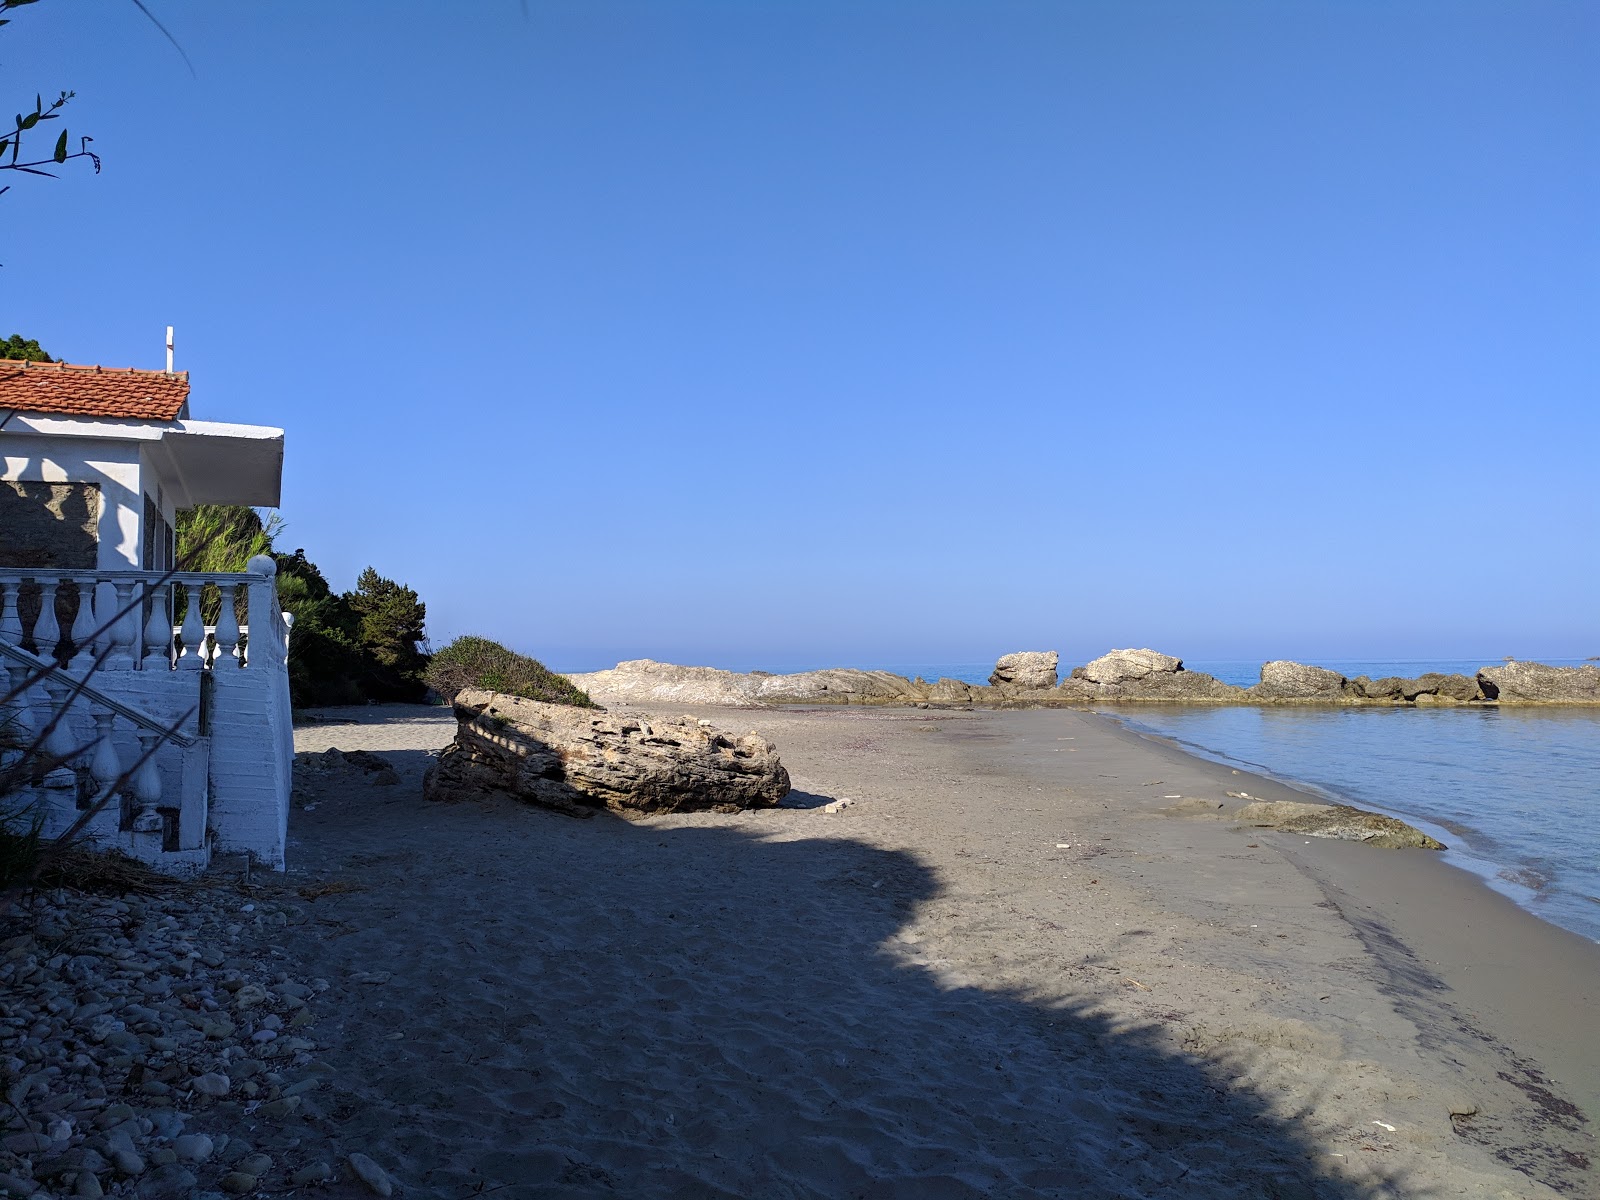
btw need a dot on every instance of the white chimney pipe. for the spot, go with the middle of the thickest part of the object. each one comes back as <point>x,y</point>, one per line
<point>169,349</point>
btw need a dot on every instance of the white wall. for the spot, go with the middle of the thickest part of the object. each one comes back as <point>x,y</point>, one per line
<point>116,467</point>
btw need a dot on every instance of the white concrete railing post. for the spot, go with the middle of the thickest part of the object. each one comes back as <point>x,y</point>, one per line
<point>266,645</point>
<point>193,632</point>
<point>227,625</point>
<point>58,744</point>
<point>21,706</point>
<point>147,780</point>
<point>104,766</point>
<point>47,629</point>
<point>158,629</point>
<point>124,632</point>
<point>83,624</point>
<point>10,620</point>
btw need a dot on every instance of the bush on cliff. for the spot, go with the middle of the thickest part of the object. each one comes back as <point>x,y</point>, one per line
<point>476,662</point>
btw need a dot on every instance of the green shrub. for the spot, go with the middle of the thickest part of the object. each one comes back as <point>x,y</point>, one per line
<point>475,662</point>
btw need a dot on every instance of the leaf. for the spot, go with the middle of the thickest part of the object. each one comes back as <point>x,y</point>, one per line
<point>28,122</point>
<point>61,147</point>
<point>5,144</point>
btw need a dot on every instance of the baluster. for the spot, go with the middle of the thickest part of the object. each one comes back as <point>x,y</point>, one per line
<point>124,631</point>
<point>21,719</point>
<point>227,624</point>
<point>83,625</point>
<point>158,630</point>
<point>59,744</point>
<point>47,630</point>
<point>10,621</point>
<point>147,780</point>
<point>194,631</point>
<point>104,765</point>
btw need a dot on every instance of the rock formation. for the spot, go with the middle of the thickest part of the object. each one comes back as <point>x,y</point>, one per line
<point>644,680</point>
<point>577,760</point>
<point>1027,669</point>
<point>1177,686</point>
<point>1119,666</point>
<point>1336,821</point>
<point>1437,687</point>
<point>1120,677</point>
<point>1535,683</point>
<point>1282,680</point>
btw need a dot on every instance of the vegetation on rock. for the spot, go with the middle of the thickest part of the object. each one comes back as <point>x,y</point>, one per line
<point>477,662</point>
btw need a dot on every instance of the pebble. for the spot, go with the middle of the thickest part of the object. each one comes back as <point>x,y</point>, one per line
<point>167,1183</point>
<point>193,1147</point>
<point>213,1083</point>
<point>317,1172</point>
<point>371,1174</point>
<point>105,1050</point>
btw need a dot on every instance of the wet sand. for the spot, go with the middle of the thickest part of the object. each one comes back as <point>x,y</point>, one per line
<point>1003,971</point>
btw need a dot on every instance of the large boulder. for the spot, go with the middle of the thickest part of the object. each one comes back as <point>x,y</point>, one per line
<point>949,691</point>
<point>578,760</point>
<point>641,680</point>
<point>1535,683</point>
<point>645,681</point>
<point>1122,665</point>
<point>1027,669</point>
<point>1283,680</point>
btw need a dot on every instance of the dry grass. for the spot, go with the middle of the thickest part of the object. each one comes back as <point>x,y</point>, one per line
<point>102,873</point>
<point>329,887</point>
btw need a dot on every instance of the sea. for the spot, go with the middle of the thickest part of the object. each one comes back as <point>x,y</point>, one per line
<point>1513,792</point>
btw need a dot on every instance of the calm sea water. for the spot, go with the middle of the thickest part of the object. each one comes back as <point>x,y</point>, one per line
<point>1514,792</point>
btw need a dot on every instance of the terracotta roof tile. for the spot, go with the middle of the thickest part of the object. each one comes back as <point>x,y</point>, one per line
<point>66,389</point>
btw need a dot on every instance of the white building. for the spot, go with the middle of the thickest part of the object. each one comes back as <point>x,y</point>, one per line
<point>94,464</point>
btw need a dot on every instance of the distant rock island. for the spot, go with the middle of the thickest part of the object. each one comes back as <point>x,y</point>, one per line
<point>1031,679</point>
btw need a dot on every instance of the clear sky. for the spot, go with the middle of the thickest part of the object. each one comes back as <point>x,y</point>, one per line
<point>804,332</point>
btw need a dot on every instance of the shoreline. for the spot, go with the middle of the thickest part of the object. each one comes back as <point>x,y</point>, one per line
<point>1417,911</point>
<point>1100,995</point>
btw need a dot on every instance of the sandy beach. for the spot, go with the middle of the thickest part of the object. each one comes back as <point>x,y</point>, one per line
<point>1004,970</point>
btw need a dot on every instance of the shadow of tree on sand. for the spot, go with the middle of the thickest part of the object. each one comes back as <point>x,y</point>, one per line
<point>603,1009</point>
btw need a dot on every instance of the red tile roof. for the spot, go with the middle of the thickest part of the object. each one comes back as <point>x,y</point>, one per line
<point>66,389</point>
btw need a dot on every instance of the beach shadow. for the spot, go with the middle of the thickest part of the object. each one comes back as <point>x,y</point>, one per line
<point>604,1009</point>
<point>805,800</point>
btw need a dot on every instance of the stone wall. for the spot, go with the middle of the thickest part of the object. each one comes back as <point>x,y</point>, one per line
<point>49,525</point>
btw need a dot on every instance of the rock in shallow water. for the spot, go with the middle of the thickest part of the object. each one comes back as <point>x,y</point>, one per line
<point>1119,666</point>
<point>1027,669</point>
<point>1535,683</point>
<point>1338,821</point>
<point>576,760</point>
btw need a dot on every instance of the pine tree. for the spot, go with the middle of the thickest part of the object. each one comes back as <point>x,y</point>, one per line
<point>392,632</point>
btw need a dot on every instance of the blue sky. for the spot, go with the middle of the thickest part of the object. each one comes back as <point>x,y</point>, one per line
<point>765,333</point>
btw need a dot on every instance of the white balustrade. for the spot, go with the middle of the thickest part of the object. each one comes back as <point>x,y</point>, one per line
<point>126,619</point>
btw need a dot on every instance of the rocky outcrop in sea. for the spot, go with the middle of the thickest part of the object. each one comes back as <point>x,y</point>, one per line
<point>1028,679</point>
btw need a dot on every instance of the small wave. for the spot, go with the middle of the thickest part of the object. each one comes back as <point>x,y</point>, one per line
<point>1531,878</point>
